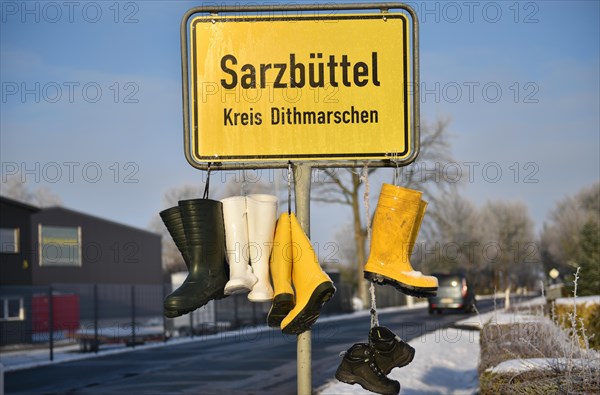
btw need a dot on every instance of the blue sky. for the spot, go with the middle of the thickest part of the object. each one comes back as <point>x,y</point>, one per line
<point>102,100</point>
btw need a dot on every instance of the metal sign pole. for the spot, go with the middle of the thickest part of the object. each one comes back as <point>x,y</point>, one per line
<point>302,178</point>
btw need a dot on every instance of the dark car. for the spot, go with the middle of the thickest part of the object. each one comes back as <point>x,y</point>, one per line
<point>453,293</point>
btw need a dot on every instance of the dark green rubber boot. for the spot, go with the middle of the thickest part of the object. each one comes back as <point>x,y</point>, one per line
<point>202,221</point>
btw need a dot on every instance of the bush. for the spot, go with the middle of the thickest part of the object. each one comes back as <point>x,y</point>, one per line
<point>588,315</point>
<point>539,339</point>
<point>502,342</point>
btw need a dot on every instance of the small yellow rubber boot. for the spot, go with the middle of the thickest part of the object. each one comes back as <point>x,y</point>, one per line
<point>280,266</point>
<point>313,286</point>
<point>396,224</point>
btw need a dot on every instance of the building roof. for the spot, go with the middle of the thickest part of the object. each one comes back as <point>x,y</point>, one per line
<point>35,209</point>
<point>19,204</point>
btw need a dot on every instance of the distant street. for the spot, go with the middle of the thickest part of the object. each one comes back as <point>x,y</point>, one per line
<point>256,363</point>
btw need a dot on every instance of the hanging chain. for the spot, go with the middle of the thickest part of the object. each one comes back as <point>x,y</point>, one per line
<point>397,174</point>
<point>374,316</point>
<point>365,179</point>
<point>206,186</point>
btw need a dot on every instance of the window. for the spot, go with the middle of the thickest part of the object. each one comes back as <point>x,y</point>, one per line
<point>59,245</point>
<point>11,309</point>
<point>9,240</point>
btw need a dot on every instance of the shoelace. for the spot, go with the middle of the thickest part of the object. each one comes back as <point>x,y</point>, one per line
<point>371,361</point>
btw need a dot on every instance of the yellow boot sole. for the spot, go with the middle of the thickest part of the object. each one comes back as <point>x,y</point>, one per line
<point>309,314</point>
<point>412,290</point>
<point>281,307</point>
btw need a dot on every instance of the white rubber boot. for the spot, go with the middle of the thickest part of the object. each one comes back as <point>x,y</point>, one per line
<point>241,278</point>
<point>262,216</point>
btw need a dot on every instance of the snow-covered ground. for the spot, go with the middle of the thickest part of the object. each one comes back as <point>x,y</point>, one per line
<point>445,362</point>
<point>587,300</point>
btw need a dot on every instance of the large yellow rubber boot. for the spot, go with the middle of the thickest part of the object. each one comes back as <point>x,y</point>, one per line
<point>396,226</point>
<point>312,285</point>
<point>280,266</point>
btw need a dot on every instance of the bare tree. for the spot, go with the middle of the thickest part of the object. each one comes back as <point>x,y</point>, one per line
<point>452,243</point>
<point>14,187</point>
<point>508,244</point>
<point>345,186</point>
<point>562,233</point>
<point>172,260</point>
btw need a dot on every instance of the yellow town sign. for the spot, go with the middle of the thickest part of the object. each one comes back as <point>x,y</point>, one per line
<point>266,88</point>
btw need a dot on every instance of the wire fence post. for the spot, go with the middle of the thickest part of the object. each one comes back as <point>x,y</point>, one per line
<point>132,315</point>
<point>96,342</point>
<point>1,379</point>
<point>191,316</point>
<point>164,319</point>
<point>51,323</point>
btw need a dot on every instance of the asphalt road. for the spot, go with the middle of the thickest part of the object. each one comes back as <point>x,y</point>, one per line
<point>252,363</point>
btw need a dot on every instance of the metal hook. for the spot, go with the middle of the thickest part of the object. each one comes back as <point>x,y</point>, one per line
<point>289,180</point>
<point>206,186</point>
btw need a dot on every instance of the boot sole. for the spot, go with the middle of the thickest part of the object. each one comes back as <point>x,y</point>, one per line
<point>354,379</point>
<point>310,313</point>
<point>173,312</point>
<point>237,287</point>
<point>281,307</point>
<point>420,292</point>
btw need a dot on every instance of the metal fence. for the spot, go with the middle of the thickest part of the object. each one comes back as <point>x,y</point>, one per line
<point>90,316</point>
<point>84,314</point>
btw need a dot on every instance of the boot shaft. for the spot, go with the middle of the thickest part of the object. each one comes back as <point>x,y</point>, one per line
<point>305,266</point>
<point>236,229</point>
<point>280,264</point>
<point>415,231</point>
<point>280,267</point>
<point>395,224</point>
<point>171,217</point>
<point>262,216</point>
<point>205,234</point>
